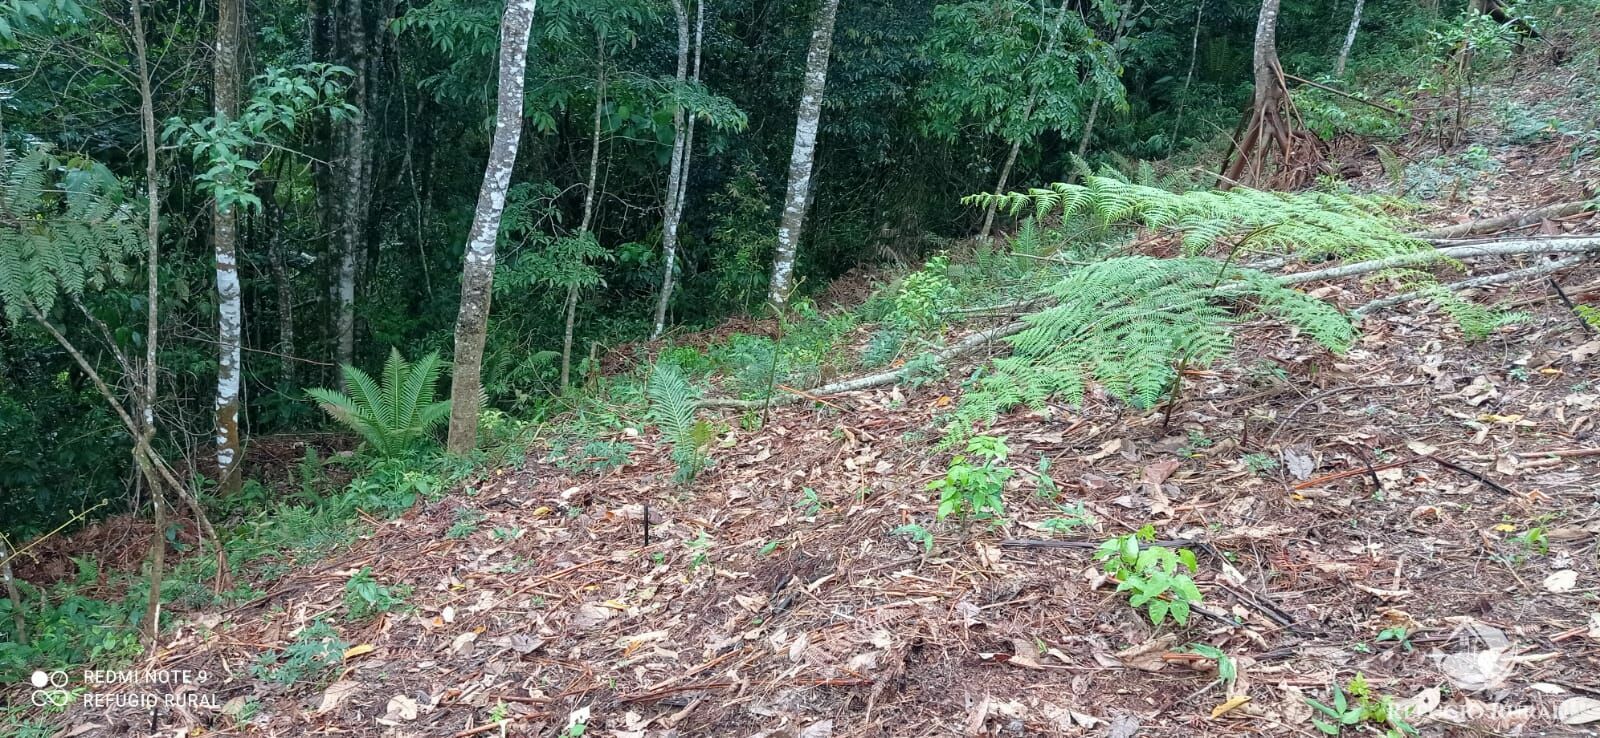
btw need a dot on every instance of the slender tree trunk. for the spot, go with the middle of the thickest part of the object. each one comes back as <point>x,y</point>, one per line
<point>1116,58</point>
<point>1349,39</point>
<point>1264,55</point>
<point>688,138</point>
<point>803,157</point>
<point>285,298</point>
<point>1027,114</point>
<point>477,278</point>
<point>587,223</point>
<point>675,175</point>
<point>144,432</point>
<point>1264,128</point>
<point>224,237</point>
<point>352,225</point>
<point>1194,54</point>
<point>1000,188</point>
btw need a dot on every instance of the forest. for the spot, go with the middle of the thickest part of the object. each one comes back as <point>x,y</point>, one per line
<point>749,367</point>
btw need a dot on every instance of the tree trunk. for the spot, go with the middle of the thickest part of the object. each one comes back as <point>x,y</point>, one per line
<point>477,277</point>
<point>802,158</point>
<point>1116,58</point>
<point>144,430</point>
<point>224,237</point>
<point>352,216</point>
<point>1269,129</point>
<point>1183,100</point>
<point>285,299</point>
<point>1000,188</point>
<point>675,176</point>
<point>587,223</point>
<point>1349,39</point>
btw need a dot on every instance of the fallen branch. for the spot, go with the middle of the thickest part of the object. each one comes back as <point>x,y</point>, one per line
<point>960,348</point>
<point>1515,220</point>
<point>982,338</point>
<point>1498,248</point>
<point>1482,281</point>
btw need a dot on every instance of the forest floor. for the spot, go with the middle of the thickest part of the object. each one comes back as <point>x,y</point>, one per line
<point>1421,512</point>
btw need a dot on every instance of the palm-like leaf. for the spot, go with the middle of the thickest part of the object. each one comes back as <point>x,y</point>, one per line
<point>393,415</point>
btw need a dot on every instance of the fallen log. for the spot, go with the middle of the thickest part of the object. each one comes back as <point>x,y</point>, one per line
<point>982,338</point>
<point>960,348</point>
<point>1503,222</point>
<point>1473,251</point>
<point>1481,281</point>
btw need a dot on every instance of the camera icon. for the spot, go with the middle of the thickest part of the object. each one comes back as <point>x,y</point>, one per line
<point>49,689</point>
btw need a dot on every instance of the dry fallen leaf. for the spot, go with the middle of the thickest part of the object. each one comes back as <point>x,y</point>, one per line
<point>400,708</point>
<point>1232,703</point>
<point>336,693</point>
<point>1561,581</point>
<point>1578,710</point>
<point>355,651</point>
<point>1147,656</point>
<point>1420,703</point>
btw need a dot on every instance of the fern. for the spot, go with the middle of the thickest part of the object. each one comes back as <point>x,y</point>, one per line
<point>1309,224</point>
<point>672,408</point>
<point>1129,323</point>
<point>64,228</point>
<point>391,416</point>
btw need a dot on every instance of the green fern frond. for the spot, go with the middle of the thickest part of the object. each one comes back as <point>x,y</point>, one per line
<point>392,417</point>
<point>1129,323</point>
<point>63,229</point>
<point>1308,224</point>
<point>672,408</point>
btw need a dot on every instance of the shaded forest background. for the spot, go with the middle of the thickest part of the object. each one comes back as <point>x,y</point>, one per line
<point>378,167</point>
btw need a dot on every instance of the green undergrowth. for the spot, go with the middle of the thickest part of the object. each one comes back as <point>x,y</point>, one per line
<point>94,616</point>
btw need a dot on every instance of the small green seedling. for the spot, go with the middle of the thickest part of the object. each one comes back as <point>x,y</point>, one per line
<point>1366,708</point>
<point>1153,574</point>
<point>974,490</point>
<point>1227,668</point>
<point>810,503</point>
<point>1399,634</point>
<point>365,598</point>
<point>1072,518</point>
<point>917,534</point>
<point>700,545</point>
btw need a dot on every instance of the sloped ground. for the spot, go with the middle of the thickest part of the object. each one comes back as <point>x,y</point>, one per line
<point>755,610</point>
<point>1329,500</point>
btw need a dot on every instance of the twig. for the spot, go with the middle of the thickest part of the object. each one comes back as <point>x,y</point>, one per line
<point>1498,487</point>
<point>1584,324</point>
<point>1498,248</point>
<point>486,727</point>
<point>1325,395</point>
<point>663,692</point>
<point>1035,543</point>
<point>1505,222</point>
<point>1316,481</point>
<point>1344,94</point>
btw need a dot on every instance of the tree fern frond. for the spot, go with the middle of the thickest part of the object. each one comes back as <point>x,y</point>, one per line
<point>1129,323</point>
